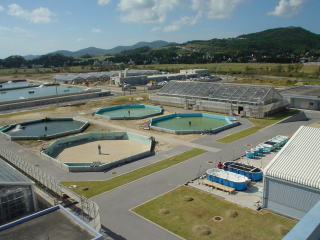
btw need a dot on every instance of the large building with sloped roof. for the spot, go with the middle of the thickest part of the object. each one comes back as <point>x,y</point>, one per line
<point>234,99</point>
<point>292,178</point>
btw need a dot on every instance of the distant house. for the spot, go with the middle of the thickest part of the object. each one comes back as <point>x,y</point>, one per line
<point>37,65</point>
<point>199,72</point>
<point>131,62</point>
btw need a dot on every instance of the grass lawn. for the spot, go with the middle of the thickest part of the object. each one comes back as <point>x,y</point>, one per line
<point>192,219</point>
<point>258,124</point>
<point>316,125</point>
<point>97,187</point>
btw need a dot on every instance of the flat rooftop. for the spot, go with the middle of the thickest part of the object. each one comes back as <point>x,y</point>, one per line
<point>303,90</point>
<point>55,225</point>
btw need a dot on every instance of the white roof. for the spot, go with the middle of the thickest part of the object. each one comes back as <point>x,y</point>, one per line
<point>299,160</point>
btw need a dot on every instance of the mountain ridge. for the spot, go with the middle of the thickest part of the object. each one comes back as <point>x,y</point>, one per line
<point>94,51</point>
<point>287,44</point>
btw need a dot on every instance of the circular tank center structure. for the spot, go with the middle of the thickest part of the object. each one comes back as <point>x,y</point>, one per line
<point>133,111</point>
<point>193,123</point>
<point>44,129</point>
<point>92,152</point>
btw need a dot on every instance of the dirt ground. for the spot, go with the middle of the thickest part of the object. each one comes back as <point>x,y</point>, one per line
<point>110,151</point>
<point>86,111</point>
<point>83,109</point>
<point>28,76</point>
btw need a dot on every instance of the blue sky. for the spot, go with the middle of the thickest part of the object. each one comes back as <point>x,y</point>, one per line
<point>42,26</point>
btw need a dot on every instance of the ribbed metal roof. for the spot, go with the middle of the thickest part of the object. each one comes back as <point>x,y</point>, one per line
<point>234,92</point>
<point>9,175</point>
<point>71,77</point>
<point>299,160</point>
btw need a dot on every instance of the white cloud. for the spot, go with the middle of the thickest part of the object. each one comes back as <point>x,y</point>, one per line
<point>156,11</point>
<point>185,20</point>
<point>287,8</point>
<point>156,28</point>
<point>16,30</point>
<point>103,2</point>
<point>79,39</point>
<point>96,30</point>
<point>1,8</point>
<point>38,15</point>
<point>146,11</point>
<point>215,8</point>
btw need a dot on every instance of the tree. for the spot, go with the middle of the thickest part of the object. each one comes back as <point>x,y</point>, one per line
<point>14,62</point>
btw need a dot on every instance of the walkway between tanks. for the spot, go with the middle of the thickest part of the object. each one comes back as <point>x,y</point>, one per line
<point>157,136</point>
<point>118,202</point>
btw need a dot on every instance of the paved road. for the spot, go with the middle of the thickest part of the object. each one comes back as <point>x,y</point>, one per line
<point>61,175</point>
<point>115,205</point>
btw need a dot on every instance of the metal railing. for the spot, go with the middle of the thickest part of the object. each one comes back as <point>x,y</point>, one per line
<point>86,209</point>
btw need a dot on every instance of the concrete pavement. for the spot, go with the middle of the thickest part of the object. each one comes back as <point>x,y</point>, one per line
<point>115,205</point>
<point>128,196</point>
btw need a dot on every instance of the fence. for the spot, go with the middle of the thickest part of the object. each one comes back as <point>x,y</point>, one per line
<point>85,209</point>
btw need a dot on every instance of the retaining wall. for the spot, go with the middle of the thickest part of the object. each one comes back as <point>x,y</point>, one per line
<point>230,120</point>
<point>103,110</point>
<point>44,137</point>
<point>55,148</point>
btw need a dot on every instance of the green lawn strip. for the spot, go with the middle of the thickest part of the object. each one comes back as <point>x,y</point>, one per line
<point>258,124</point>
<point>194,219</point>
<point>97,187</point>
<point>239,135</point>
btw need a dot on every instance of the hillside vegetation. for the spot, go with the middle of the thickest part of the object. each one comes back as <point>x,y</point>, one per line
<point>280,45</point>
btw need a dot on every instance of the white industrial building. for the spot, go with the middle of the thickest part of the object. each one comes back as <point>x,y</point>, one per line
<point>233,99</point>
<point>199,72</point>
<point>17,197</point>
<point>292,178</point>
<point>84,77</point>
<point>304,97</point>
<point>114,76</point>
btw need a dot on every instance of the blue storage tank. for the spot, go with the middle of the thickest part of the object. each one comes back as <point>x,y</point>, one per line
<point>251,172</point>
<point>250,154</point>
<point>226,178</point>
<point>267,148</point>
<point>260,147</point>
<point>255,151</point>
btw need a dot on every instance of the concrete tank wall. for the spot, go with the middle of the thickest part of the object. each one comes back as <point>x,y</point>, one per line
<point>52,100</point>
